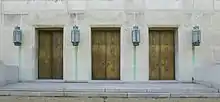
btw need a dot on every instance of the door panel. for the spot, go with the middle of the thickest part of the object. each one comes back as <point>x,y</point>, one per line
<point>98,55</point>
<point>161,52</point>
<point>44,54</point>
<point>154,53</point>
<point>113,55</point>
<point>50,54</point>
<point>167,55</point>
<point>57,53</point>
<point>105,54</point>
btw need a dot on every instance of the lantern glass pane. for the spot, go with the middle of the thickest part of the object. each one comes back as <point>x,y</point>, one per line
<point>72,36</point>
<point>17,36</point>
<point>75,34</point>
<point>194,36</point>
<point>76,38</point>
<point>199,36</point>
<point>133,36</point>
<point>138,36</point>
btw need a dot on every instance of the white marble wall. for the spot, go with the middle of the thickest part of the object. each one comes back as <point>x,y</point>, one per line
<point>30,14</point>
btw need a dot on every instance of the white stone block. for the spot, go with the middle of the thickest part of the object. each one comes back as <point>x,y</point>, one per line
<point>216,54</point>
<point>46,5</point>
<point>217,4</point>
<point>76,5</point>
<point>15,6</point>
<point>104,4</point>
<point>148,95</point>
<point>161,4</point>
<point>187,4</point>
<point>203,4</point>
<point>11,75</point>
<point>12,20</point>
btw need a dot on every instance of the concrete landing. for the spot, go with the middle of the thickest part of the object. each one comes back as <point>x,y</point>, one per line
<point>110,90</point>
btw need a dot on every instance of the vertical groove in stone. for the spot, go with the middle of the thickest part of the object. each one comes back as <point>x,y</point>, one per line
<point>1,9</point>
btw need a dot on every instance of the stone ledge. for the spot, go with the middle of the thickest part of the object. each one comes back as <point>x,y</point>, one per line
<point>109,94</point>
<point>107,90</point>
<point>94,94</point>
<point>162,100</point>
<point>27,93</point>
<point>172,90</point>
<point>126,90</point>
<point>48,99</point>
<point>195,95</point>
<point>84,90</point>
<point>32,90</point>
<point>148,95</point>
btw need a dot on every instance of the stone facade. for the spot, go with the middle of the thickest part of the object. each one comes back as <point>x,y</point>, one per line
<point>31,14</point>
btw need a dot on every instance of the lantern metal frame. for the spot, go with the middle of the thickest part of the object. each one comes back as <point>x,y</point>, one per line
<point>196,36</point>
<point>75,35</point>
<point>135,34</point>
<point>17,36</point>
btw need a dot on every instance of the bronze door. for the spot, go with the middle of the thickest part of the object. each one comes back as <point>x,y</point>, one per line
<point>50,54</point>
<point>106,54</point>
<point>161,53</point>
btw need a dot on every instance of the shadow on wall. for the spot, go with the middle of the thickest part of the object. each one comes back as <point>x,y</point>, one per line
<point>8,74</point>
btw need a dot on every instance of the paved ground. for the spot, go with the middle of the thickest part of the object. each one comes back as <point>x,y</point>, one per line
<point>128,90</point>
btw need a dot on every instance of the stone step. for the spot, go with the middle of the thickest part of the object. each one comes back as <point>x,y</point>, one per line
<point>109,94</point>
<point>117,90</point>
<point>76,99</point>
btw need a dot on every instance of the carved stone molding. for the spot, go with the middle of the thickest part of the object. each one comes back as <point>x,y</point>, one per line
<point>104,15</point>
<point>14,19</point>
<point>198,17</point>
<point>135,17</point>
<point>76,17</point>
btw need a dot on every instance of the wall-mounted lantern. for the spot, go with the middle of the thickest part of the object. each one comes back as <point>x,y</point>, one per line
<point>17,36</point>
<point>135,35</point>
<point>196,36</point>
<point>75,36</point>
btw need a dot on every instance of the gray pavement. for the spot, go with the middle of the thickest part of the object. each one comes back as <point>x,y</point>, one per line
<point>165,89</point>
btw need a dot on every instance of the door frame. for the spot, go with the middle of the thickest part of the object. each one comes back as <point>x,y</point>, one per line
<point>176,45</point>
<point>106,28</point>
<point>37,29</point>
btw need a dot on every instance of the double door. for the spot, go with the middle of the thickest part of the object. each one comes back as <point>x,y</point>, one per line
<point>50,54</point>
<point>105,54</point>
<point>161,53</point>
